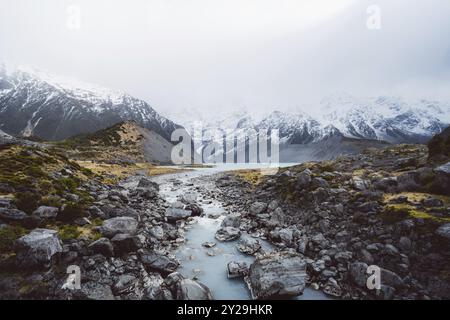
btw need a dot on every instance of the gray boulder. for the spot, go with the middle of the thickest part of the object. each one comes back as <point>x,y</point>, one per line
<point>113,226</point>
<point>159,262</point>
<point>227,234</point>
<point>188,289</point>
<point>45,212</point>
<point>12,215</point>
<point>174,214</point>
<point>232,220</point>
<point>248,245</point>
<point>146,183</point>
<point>37,248</point>
<point>304,179</point>
<point>277,275</point>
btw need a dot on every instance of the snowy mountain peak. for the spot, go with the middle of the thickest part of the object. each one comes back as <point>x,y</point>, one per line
<point>34,102</point>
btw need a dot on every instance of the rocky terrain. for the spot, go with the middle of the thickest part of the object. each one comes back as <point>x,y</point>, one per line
<point>307,228</point>
<point>389,208</point>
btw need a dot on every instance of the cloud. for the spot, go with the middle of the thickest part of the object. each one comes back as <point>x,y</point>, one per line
<point>247,54</point>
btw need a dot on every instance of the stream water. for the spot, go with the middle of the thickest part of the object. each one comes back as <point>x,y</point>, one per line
<point>209,265</point>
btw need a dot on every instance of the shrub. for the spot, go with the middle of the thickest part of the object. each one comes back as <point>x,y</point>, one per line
<point>68,232</point>
<point>71,211</point>
<point>27,201</point>
<point>8,235</point>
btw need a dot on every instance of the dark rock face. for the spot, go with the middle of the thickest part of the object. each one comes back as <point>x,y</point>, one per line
<point>380,208</point>
<point>277,275</point>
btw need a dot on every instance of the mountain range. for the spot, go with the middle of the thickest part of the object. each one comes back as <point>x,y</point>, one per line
<point>35,103</point>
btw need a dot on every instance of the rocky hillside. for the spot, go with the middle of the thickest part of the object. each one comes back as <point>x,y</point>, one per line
<point>389,208</point>
<point>125,142</point>
<point>55,213</point>
<point>439,146</point>
<point>34,103</point>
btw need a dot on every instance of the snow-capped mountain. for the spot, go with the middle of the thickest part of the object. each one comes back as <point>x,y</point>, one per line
<point>386,118</point>
<point>51,107</point>
<point>390,119</point>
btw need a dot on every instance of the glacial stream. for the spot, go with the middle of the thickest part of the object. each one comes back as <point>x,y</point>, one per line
<point>209,265</point>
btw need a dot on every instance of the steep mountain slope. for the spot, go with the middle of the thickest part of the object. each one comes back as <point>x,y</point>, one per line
<point>123,142</point>
<point>54,108</point>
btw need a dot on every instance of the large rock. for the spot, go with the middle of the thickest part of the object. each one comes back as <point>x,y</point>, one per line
<point>45,212</point>
<point>277,275</point>
<point>147,184</point>
<point>159,262</point>
<point>188,289</point>
<point>304,179</point>
<point>102,246</point>
<point>37,248</point>
<point>232,220</point>
<point>175,286</point>
<point>124,243</point>
<point>113,226</point>
<point>12,215</point>
<point>174,214</point>
<point>227,234</point>
<point>248,245</point>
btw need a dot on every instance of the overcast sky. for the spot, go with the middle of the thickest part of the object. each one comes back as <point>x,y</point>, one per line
<point>215,55</point>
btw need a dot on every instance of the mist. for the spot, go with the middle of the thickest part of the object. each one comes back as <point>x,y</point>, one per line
<point>252,55</point>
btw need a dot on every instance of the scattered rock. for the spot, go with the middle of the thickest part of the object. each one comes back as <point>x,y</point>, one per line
<point>209,244</point>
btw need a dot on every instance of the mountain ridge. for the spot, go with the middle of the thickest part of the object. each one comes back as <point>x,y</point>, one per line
<point>40,104</point>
